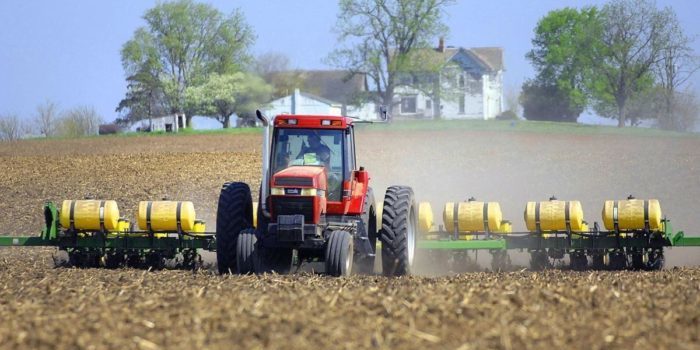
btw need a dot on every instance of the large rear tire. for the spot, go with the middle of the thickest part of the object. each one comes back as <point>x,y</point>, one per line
<point>234,214</point>
<point>245,252</point>
<point>339,253</point>
<point>398,232</point>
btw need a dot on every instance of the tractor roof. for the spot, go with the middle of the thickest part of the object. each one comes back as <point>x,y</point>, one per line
<point>312,121</point>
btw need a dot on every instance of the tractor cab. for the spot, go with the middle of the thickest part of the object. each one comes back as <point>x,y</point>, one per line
<point>313,170</point>
<point>295,149</point>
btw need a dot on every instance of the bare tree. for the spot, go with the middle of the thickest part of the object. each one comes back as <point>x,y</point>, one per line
<point>632,38</point>
<point>79,121</point>
<point>275,69</point>
<point>686,111</point>
<point>45,119</point>
<point>271,62</point>
<point>676,66</point>
<point>10,127</point>
<point>380,34</point>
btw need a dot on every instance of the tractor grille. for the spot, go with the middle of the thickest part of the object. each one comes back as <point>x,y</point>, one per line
<point>283,205</point>
<point>294,181</point>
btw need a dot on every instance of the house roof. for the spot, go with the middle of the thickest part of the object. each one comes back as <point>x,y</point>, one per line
<point>491,58</point>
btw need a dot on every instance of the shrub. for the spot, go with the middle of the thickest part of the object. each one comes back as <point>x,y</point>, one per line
<point>10,128</point>
<point>107,129</point>
<point>79,121</point>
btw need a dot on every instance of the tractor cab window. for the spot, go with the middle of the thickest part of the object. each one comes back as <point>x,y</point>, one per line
<point>310,147</point>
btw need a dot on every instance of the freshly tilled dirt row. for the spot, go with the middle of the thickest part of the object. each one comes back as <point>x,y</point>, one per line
<point>46,308</point>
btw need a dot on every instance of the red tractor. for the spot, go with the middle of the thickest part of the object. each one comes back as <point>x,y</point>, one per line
<point>315,204</point>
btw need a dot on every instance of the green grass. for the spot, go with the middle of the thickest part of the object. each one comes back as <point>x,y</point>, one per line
<point>521,126</point>
<point>437,125</point>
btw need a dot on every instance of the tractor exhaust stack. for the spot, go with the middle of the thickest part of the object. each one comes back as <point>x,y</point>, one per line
<point>265,182</point>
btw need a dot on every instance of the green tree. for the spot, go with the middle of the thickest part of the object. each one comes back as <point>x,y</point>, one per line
<point>145,96</point>
<point>222,96</point>
<point>379,35</point>
<point>183,43</point>
<point>560,56</point>
<point>631,38</point>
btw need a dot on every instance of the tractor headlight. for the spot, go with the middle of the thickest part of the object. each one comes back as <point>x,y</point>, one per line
<point>308,192</point>
<point>277,191</point>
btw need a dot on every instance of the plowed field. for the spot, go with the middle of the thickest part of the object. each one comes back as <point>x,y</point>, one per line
<point>44,307</point>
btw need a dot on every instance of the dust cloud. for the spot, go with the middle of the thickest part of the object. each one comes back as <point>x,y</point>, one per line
<point>515,167</point>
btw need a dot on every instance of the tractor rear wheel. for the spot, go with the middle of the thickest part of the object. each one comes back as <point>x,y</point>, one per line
<point>245,251</point>
<point>339,253</point>
<point>233,215</point>
<point>398,232</point>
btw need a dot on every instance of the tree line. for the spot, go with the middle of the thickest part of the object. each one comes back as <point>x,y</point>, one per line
<point>49,120</point>
<point>191,58</point>
<point>627,60</point>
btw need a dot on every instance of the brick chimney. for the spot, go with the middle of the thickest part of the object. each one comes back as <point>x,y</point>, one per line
<point>441,45</point>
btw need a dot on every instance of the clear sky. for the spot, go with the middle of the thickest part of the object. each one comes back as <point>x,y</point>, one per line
<point>68,51</point>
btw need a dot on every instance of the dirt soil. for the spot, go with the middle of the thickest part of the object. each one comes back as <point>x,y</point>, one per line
<point>43,307</point>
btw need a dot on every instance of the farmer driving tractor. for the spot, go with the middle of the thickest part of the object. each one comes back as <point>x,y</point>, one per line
<point>316,146</point>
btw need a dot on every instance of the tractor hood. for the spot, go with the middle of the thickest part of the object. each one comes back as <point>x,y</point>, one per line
<point>301,176</point>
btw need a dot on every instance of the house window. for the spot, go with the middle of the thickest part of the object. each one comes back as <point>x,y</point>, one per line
<point>408,104</point>
<point>461,104</point>
<point>428,104</point>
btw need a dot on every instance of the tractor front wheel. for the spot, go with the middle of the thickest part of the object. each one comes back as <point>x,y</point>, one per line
<point>339,253</point>
<point>233,215</point>
<point>245,251</point>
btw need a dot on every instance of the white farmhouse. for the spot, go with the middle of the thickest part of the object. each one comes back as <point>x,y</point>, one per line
<point>469,85</point>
